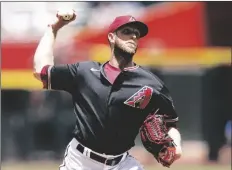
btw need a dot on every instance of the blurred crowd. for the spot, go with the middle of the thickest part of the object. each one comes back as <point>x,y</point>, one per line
<point>20,19</point>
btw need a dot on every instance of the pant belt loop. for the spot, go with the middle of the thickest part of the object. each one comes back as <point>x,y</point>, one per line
<point>105,161</point>
<point>85,152</point>
<point>124,156</point>
<point>88,152</point>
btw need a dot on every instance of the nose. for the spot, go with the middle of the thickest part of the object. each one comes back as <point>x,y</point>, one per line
<point>134,36</point>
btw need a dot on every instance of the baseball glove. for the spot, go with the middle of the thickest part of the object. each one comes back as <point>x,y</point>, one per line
<point>155,138</point>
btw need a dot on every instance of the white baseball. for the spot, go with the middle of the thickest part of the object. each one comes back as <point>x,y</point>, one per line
<point>66,14</point>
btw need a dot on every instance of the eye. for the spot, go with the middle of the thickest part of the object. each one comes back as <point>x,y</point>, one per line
<point>126,31</point>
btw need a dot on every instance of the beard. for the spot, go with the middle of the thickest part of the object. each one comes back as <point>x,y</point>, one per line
<point>122,50</point>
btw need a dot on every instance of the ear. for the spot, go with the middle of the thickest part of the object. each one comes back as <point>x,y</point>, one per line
<point>111,38</point>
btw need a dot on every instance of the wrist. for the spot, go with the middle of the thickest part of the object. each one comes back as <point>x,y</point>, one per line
<point>53,29</point>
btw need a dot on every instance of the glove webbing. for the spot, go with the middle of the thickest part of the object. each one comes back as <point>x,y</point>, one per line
<point>155,131</point>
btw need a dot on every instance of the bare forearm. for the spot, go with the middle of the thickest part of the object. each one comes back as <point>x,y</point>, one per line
<point>44,52</point>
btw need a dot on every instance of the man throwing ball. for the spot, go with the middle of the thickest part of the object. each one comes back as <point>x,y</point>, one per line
<point>113,101</point>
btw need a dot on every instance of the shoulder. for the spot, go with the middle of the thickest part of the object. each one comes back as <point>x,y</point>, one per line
<point>155,80</point>
<point>158,85</point>
<point>85,65</point>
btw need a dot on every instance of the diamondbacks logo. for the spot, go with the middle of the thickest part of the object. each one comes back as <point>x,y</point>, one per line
<point>132,19</point>
<point>141,98</point>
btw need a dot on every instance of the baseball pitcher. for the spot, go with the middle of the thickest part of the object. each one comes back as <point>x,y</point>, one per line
<point>113,102</point>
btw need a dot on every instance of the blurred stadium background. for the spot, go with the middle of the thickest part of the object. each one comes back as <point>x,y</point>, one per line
<point>188,47</point>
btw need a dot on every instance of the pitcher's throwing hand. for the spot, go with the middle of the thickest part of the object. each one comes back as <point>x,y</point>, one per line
<point>63,17</point>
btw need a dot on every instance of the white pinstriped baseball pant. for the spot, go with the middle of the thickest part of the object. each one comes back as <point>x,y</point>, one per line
<point>75,160</point>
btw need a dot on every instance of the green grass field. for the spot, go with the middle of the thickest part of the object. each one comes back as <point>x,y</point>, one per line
<point>55,165</point>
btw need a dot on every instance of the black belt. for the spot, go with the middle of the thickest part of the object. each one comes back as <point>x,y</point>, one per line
<point>110,162</point>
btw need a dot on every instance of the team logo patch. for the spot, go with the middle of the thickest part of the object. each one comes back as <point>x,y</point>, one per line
<point>141,98</point>
<point>132,19</point>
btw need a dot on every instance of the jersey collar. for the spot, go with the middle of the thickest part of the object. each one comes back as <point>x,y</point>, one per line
<point>128,69</point>
<point>125,69</point>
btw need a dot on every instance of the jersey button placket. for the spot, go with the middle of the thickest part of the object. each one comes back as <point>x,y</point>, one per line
<point>113,86</point>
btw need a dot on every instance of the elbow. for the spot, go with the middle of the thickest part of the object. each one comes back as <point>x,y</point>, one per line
<point>41,72</point>
<point>39,65</point>
<point>36,75</point>
<point>36,71</point>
